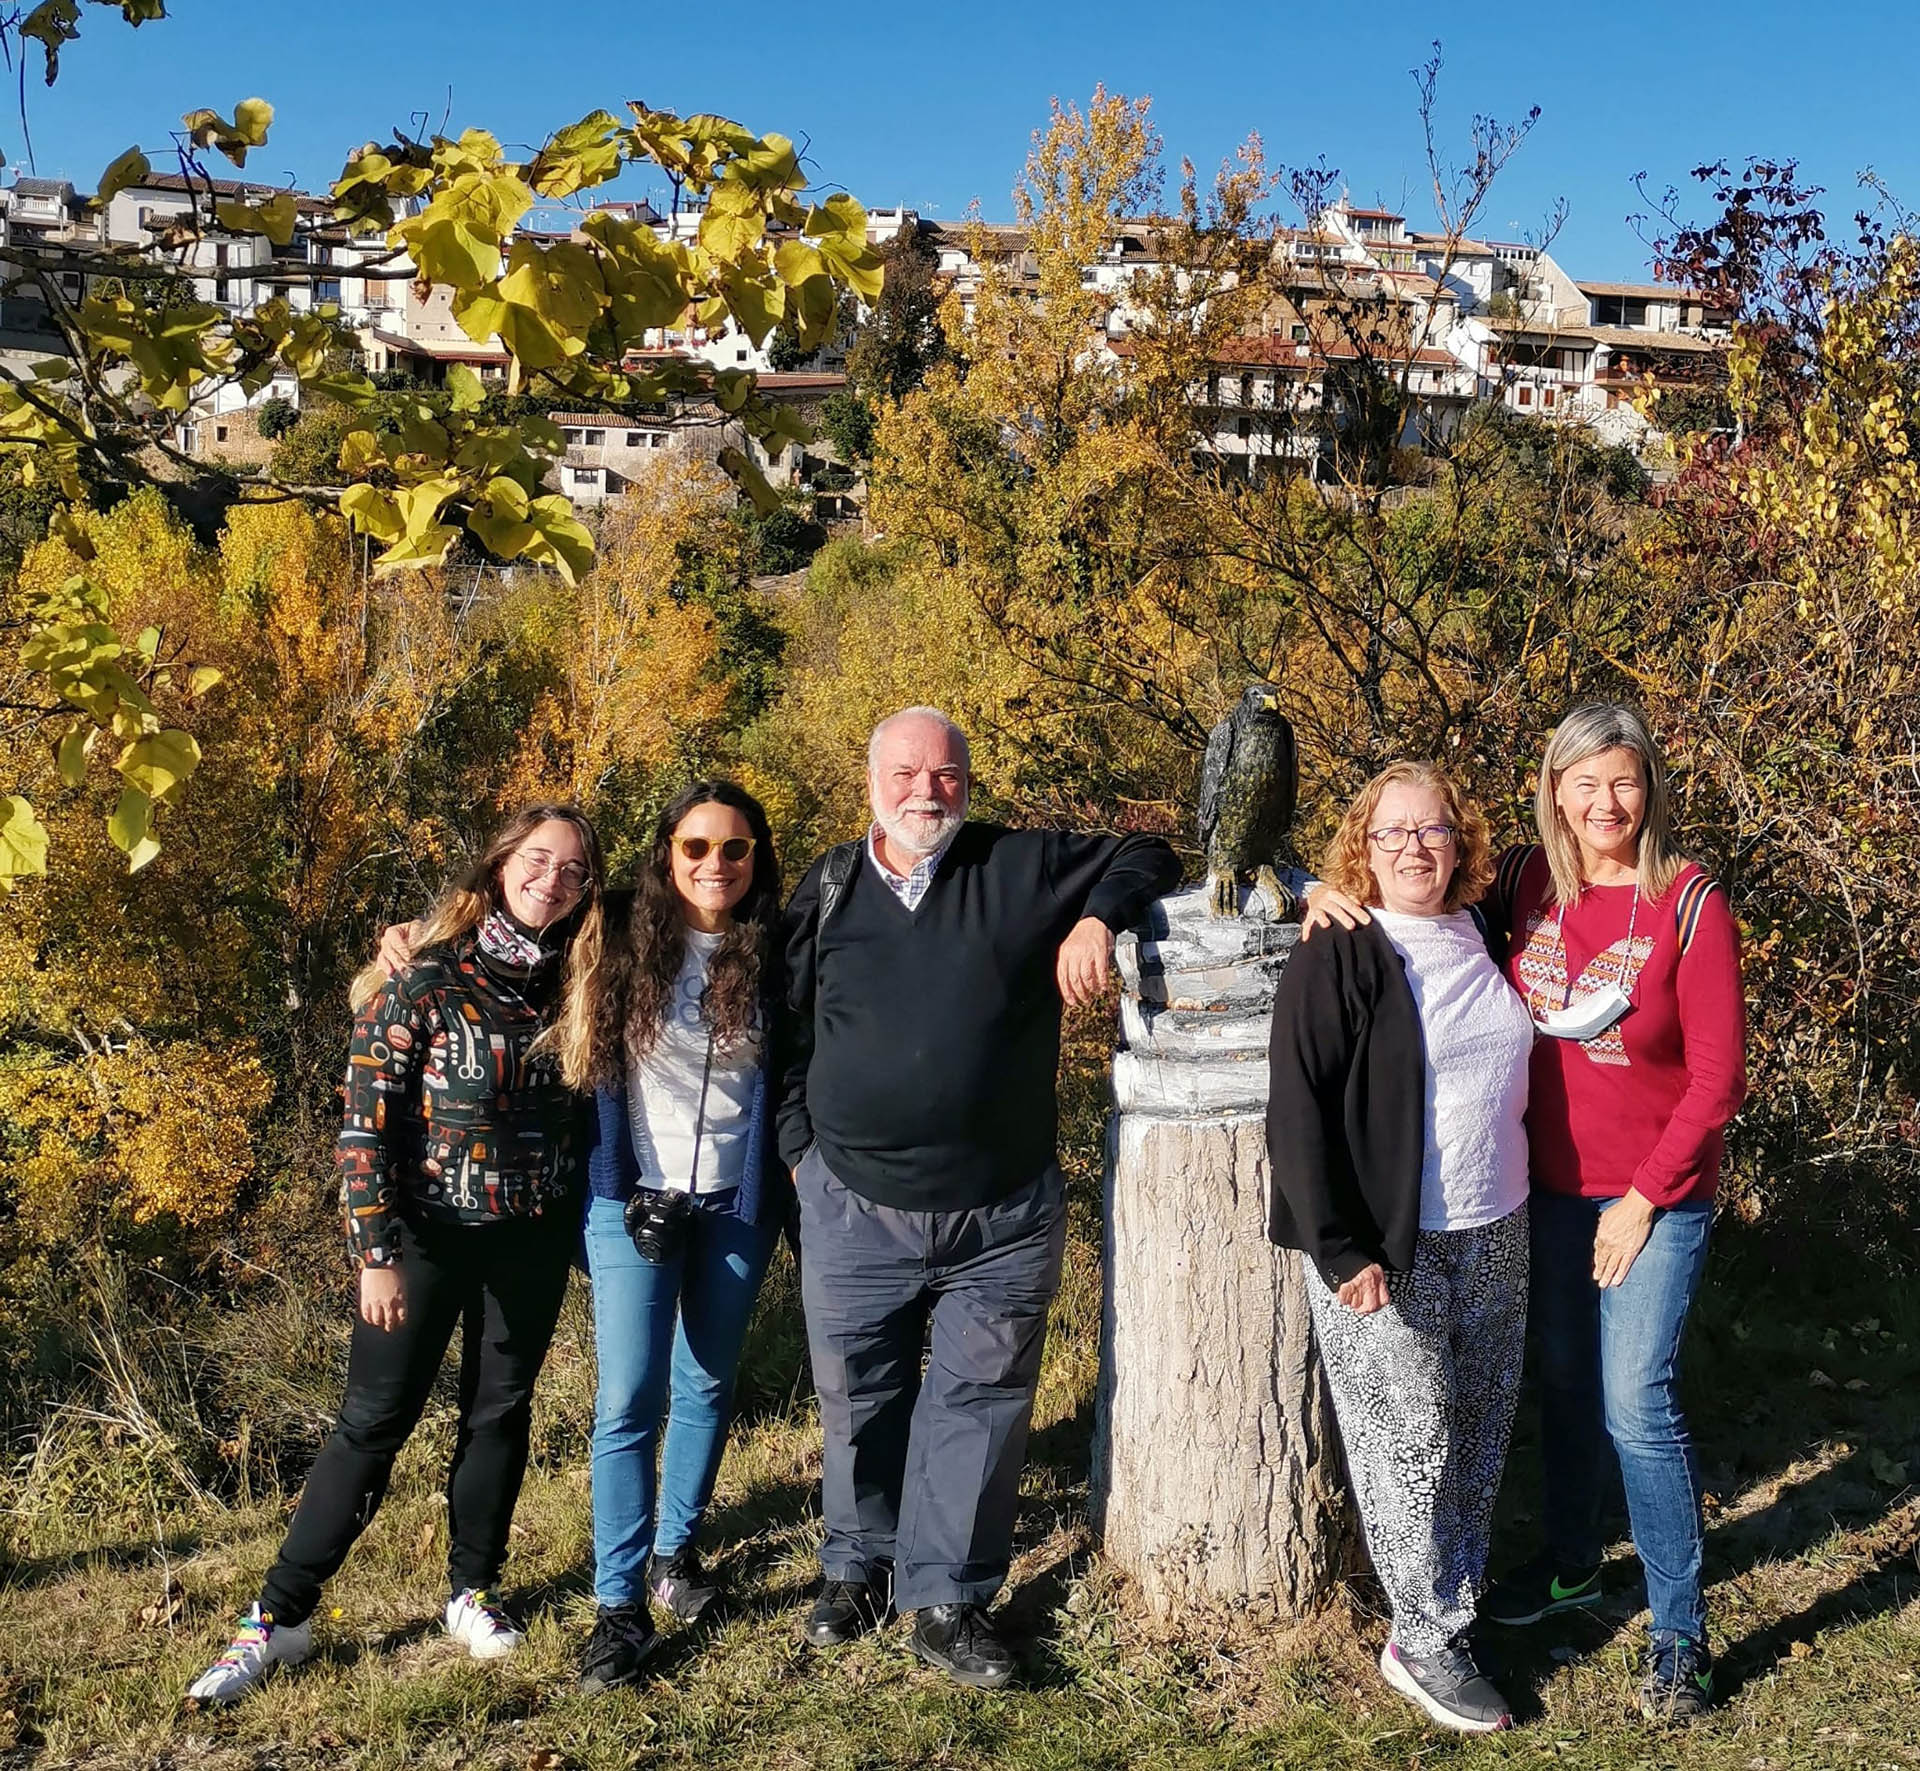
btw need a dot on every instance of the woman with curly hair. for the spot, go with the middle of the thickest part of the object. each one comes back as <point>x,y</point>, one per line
<point>459,1164</point>
<point>666,1021</point>
<point>1396,1131</point>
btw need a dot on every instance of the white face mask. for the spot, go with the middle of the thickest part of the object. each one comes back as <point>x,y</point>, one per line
<point>1586,1017</point>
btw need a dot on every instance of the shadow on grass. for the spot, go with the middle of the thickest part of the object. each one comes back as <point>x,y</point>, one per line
<point>1889,1581</point>
<point>34,1571</point>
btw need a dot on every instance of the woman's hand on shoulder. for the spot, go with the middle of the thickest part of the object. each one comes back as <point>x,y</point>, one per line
<point>1328,904</point>
<point>1366,1291</point>
<point>383,1298</point>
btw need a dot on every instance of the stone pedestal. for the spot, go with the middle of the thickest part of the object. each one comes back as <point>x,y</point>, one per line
<point>1216,1471</point>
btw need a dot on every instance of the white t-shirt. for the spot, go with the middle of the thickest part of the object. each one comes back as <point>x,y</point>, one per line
<point>1478,1037</point>
<point>663,1092</point>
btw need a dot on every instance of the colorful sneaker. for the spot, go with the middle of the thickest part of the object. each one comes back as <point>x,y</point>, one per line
<point>1538,1590</point>
<point>258,1645</point>
<point>623,1637</point>
<point>1679,1682</point>
<point>1449,1686</point>
<point>681,1584</point>
<point>476,1621</point>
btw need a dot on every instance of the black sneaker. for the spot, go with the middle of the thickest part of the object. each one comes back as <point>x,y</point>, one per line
<point>1449,1686</point>
<point>623,1636</point>
<point>849,1608</point>
<point>681,1584</point>
<point>1679,1682</point>
<point>1539,1589</point>
<point>962,1642</point>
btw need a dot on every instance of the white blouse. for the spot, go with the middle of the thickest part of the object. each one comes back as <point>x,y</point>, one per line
<point>1478,1037</point>
<point>664,1096</point>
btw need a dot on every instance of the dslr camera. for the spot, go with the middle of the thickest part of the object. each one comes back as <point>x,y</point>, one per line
<point>657,1221</point>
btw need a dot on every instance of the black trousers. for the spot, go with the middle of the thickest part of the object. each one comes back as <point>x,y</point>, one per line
<point>503,1284</point>
<point>923,1470</point>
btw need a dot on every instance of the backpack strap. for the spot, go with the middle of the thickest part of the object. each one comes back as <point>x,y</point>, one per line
<point>1506,882</point>
<point>835,871</point>
<point>1688,903</point>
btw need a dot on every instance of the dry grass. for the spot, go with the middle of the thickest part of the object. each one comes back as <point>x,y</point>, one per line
<point>1811,1560</point>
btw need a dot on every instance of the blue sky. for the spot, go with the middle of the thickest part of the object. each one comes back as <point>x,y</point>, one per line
<point>932,104</point>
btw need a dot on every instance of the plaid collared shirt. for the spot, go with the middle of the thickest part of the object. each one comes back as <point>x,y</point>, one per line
<point>911,888</point>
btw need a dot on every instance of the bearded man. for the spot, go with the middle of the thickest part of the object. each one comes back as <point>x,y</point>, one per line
<point>927,966</point>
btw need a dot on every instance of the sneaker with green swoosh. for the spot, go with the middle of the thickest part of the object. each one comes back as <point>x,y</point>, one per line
<point>1679,1682</point>
<point>1539,1589</point>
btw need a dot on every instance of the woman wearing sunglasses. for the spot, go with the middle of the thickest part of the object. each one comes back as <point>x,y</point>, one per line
<point>459,1164</point>
<point>666,1021</point>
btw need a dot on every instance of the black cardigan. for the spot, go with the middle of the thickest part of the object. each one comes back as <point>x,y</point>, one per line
<point>1346,1105</point>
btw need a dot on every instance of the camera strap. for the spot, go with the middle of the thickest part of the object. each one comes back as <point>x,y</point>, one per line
<point>700,1115</point>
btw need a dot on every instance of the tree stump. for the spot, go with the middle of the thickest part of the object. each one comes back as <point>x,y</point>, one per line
<point>1217,1474</point>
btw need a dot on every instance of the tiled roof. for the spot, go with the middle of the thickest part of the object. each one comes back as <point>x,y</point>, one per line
<point>1632,338</point>
<point>1640,291</point>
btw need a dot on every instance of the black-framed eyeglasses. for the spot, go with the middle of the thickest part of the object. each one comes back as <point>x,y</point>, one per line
<point>1394,838</point>
<point>733,848</point>
<point>539,864</point>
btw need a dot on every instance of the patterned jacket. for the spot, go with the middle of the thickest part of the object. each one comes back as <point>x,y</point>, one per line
<point>447,1117</point>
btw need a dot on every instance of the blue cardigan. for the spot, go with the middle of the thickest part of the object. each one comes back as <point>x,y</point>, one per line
<point>764,1192</point>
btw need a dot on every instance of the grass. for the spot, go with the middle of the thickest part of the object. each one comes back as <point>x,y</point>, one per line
<point>128,1571</point>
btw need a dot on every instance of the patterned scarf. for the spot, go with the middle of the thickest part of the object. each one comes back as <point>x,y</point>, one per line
<point>515,950</point>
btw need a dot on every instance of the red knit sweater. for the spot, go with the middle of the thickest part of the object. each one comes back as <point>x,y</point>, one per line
<point>1644,1104</point>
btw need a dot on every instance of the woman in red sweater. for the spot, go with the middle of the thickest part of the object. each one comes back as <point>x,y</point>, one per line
<point>1628,958</point>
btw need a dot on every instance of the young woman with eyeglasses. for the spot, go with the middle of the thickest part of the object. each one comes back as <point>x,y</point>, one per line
<point>459,1160</point>
<point>667,1023</point>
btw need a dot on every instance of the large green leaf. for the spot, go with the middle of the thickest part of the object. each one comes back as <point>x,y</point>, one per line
<point>159,765</point>
<point>131,828</point>
<point>131,168</point>
<point>23,842</point>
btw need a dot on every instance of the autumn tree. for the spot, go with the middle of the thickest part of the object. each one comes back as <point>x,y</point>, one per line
<point>433,466</point>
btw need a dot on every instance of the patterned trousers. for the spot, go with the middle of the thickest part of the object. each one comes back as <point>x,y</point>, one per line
<point>1424,1391</point>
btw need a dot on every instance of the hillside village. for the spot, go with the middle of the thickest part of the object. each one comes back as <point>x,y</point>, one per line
<point>1456,321</point>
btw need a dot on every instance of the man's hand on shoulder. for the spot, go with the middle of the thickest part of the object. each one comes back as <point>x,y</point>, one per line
<point>396,947</point>
<point>1085,956</point>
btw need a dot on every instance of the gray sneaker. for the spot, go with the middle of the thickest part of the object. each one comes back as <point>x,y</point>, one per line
<point>1449,1687</point>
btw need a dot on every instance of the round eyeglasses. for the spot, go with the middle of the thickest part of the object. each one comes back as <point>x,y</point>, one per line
<point>539,864</point>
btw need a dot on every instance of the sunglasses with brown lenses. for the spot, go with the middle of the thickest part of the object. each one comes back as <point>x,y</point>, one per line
<point>697,848</point>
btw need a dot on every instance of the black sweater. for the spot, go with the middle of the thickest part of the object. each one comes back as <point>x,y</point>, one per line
<point>920,1046</point>
<point>1346,1105</point>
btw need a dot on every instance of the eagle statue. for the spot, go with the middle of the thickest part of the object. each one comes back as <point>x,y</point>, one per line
<point>1247,788</point>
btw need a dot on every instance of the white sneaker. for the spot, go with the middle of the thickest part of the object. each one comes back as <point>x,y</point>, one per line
<point>476,1622</point>
<point>257,1645</point>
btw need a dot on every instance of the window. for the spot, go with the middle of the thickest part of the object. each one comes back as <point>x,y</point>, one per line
<point>1523,395</point>
<point>740,356</point>
<point>1245,427</point>
<point>656,439</point>
<point>1299,334</point>
<point>1246,390</point>
<point>636,439</point>
<point>219,433</point>
<point>1618,310</point>
<point>1548,396</point>
<point>593,439</point>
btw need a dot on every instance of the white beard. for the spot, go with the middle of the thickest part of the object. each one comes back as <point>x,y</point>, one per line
<point>920,836</point>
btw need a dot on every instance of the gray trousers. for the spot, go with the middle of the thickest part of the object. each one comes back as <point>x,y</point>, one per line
<point>1424,1391</point>
<point>924,1470</point>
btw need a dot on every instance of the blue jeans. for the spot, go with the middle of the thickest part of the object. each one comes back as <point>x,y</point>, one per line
<point>1610,1370</point>
<point>658,1330</point>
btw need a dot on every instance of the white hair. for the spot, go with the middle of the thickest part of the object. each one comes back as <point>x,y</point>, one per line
<point>931,714</point>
